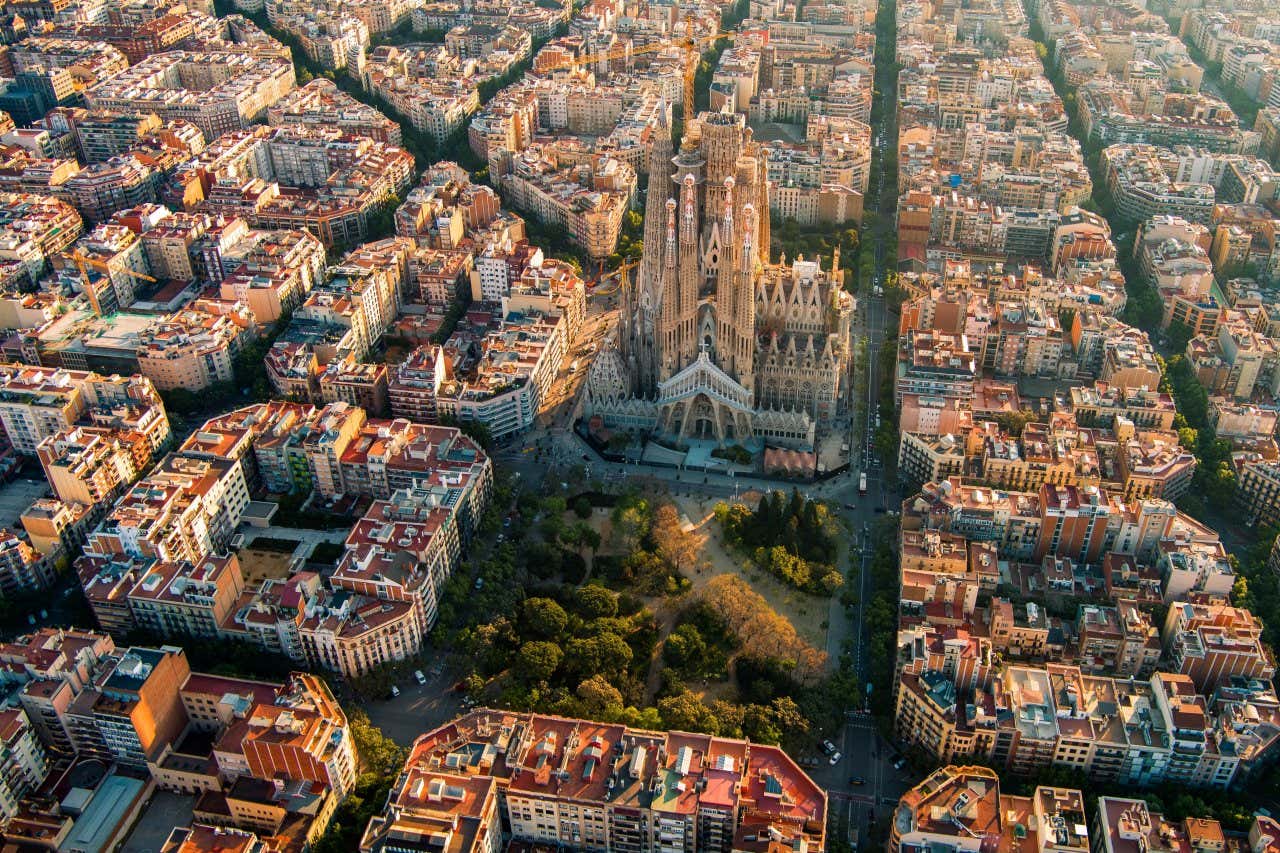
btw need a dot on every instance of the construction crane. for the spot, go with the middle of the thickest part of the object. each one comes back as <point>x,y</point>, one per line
<point>691,45</point>
<point>623,281</point>
<point>83,262</point>
<point>691,71</point>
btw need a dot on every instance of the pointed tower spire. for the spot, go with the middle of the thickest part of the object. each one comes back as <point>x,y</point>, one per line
<point>728,208</point>
<point>660,189</point>
<point>670,253</point>
<point>650,281</point>
<point>689,216</point>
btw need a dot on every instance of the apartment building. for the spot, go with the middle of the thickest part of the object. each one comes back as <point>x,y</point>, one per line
<point>271,272</point>
<point>1257,493</point>
<point>1100,405</point>
<point>1142,187</point>
<point>54,525</point>
<point>23,569</point>
<point>45,670</point>
<point>134,709</point>
<point>412,391</point>
<point>196,346</point>
<point>24,763</point>
<point>92,465</point>
<point>187,599</point>
<point>1123,825</point>
<point>120,257</point>
<point>1120,640</point>
<point>35,228</point>
<point>588,203</point>
<point>322,103</point>
<point>956,807</point>
<point>227,90</point>
<point>617,788</point>
<point>260,756</point>
<point>354,635</point>
<point>1025,719</point>
<point>182,510</point>
<point>37,403</point>
<point>438,277</point>
<point>357,383</point>
<point>171,243</point>
<point>1212,643</point>
<point>431,89</point>
<point>302,735</point>
<point>936,364</point>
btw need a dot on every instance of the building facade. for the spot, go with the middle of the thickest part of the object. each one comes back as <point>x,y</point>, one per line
<point>715,342</point>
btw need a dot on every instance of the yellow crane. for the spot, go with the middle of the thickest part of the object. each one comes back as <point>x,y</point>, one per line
<point>623,282</point>
<point>83,262</point>
<point>691,45</point>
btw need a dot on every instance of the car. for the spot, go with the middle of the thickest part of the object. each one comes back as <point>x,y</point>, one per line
<point>828,747</point>
<point>479,584</point>
<point>395,691</point>
<point>857,780</point>
<point>835,759</point>
<point>850,506</point>
<point>586,457</point>
<point>897,765</point>
<point>419,677</point>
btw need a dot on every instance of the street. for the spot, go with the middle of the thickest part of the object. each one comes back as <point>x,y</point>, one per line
<point>419,708</point>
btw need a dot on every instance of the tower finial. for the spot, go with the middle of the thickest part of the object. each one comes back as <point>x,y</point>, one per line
<point>671,229</point>
<point>690,216</point>
<point>728,207</point>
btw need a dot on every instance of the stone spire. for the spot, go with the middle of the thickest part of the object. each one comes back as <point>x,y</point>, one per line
<point>660,189</point>
<point>669,253</point>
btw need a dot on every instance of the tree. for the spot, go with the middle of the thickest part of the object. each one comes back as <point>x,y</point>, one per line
<point>543,618</point>
<point>473,685</point>
<point>687,712</point>
<point>586,536</point>
<point>1015,422</point>
<point>539,660</point>
<point>675,544</point>
<point>582,507</point>
<point>761,630</point>
<point>596,601</point>
<point>684,647</point>
<point>759,725</point>
<point>378,753</point>
<point>599,697</point>
<point>604,654</point>
<point>631,519</point>
<point>645,571</point>
<point>1179,335</point>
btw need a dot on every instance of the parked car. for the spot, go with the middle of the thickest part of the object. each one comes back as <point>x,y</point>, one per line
<point>835,759</point>
<point>395,691</point>
<point>828,747</point>
<point>419,677</point>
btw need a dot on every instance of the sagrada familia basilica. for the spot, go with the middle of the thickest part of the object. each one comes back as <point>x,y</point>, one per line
<point>714,341</point>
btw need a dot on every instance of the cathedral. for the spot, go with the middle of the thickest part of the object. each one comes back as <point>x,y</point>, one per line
<point>713,341</point>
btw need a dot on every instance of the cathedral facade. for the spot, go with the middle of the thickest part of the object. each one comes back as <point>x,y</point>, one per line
<point>714,341</point>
